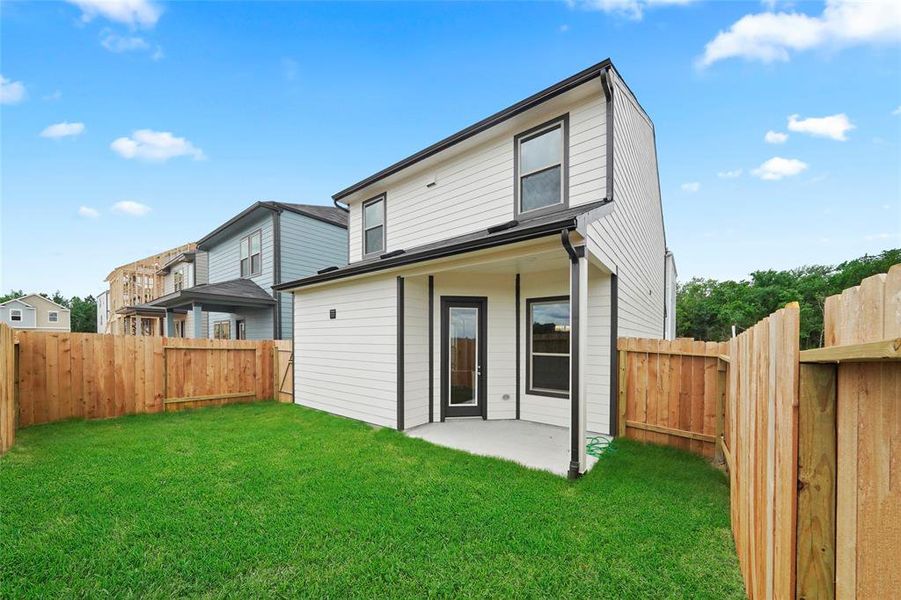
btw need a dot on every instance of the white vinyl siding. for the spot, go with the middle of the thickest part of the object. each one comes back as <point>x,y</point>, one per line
<point>348,365</point>
<point>500,291</point>
<point>474,189</point>
<point>533,407</point>
<point>597,375</point>
<point>416,351</point>
<point>630,240</point>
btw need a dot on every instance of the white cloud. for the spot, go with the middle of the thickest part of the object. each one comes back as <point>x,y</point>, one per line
<point>878,236</point>
<point>564,28</point>
<point>834,127</point>
<point>773,36</point>
<point>775,137</point>
<point>897,111</point>
<point>88,212</point>
<point>56,95</point>
<point>131,208</point>
<point>691,187</point>
<point>155,146</point>
<point>157,54</point>
<point>135,13</point>
<point>119,43</point>
<point>631,9</point>
<point>11,92</point>
<point>729,174</point>
<point>64,129</point>
<point>776,168</point>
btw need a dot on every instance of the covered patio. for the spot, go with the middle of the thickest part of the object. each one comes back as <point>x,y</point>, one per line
<point>533,445</point>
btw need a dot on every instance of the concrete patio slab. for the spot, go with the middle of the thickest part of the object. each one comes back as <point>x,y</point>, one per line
<point>533,445</point>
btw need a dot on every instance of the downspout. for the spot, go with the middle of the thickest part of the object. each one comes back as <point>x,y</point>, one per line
<point>574,400</point>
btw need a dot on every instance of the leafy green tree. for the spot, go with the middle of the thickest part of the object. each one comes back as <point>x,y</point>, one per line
<point>707,309</point>
<point>84,314</point>
<point>12,295</point>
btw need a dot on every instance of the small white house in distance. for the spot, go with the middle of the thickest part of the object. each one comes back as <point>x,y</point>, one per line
<point>35,312</point>
<point>491,273</point>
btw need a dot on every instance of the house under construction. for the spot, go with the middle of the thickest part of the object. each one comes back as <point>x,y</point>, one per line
<point>122,309</point>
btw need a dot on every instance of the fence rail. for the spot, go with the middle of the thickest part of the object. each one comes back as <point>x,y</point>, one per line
<point>93,376</point>
<point>811,439</point>
<point>671,392</point>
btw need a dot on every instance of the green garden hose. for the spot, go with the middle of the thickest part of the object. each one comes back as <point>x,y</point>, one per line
<point>598,446</point>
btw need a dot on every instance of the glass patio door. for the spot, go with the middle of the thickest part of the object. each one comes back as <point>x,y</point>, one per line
<point>463,357</point>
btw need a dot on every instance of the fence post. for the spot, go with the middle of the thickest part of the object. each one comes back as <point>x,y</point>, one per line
<point>622,397</point>
<point>276,370</point>
<point>817,463</point>
<point>718,456</point>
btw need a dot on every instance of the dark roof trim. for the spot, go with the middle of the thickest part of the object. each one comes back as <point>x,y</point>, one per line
<point>268,205</point>
<point>500,239</point>
<point>476,128</point>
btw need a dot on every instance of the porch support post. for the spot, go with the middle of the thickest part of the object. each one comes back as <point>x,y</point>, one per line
<point>578,301</point>
<point>400,353</point>
<point>169,323</point>
<point>197,313</point>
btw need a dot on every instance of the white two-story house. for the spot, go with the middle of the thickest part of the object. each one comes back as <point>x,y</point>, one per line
<point>491,273</point>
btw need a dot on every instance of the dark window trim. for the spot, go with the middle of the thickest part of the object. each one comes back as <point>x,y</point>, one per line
<point>247,237</point>
<point>528,324</point>
<point>383,197</point>
<point>524,136</point>
<point>446,302</point>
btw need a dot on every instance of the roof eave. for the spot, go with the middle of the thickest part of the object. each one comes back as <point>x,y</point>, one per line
<point>501,239</point>
<point>486,123</point>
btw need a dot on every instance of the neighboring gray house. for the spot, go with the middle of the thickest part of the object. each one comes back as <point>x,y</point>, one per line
<point>35,312</point>
<point>224,289</point>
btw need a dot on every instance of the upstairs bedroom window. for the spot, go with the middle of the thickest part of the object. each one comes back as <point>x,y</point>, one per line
<point>541,168</point>
<point>252,254</point>
<point>179,280</point>
<point>548,346</point>
<point>53,316</point>
<point>374,226</point>
<point>15,314</point>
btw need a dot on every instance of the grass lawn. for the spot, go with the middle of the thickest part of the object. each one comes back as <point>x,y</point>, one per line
<point>275,500</point>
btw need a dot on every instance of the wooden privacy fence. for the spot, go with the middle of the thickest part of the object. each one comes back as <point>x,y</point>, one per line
<point>671,392</point>
<point>7,388</point>
<point>811,439</point>
<point>92,376</point>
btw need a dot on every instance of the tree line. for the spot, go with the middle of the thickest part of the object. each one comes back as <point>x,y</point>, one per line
<point>706,309</point>
<point>83,310</point>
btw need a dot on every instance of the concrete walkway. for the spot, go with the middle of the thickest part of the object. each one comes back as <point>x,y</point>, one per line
<point>534,445</point>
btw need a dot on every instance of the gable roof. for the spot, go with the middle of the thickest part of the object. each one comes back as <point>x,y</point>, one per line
<point>507,233</point>
<point>486,123</point>
<point>327,214</point>
<point>18,300</point>
<point>39,297</point>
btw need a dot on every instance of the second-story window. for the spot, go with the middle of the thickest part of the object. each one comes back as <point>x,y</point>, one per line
<point>252,254</point>
<point>374,225</point>
<point>541,167</point>
<point>53,316</point>
<point>15,314</point>
<point>179,280</point>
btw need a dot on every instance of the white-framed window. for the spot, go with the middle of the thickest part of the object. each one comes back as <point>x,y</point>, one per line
<point>374,225</point>
<point>547,364</point>
<point>15,314</point>
<point>222,330</point>
<point>178,279</point>
<point>541,167</point>
<point>252,254</point>
<point>53,316</point>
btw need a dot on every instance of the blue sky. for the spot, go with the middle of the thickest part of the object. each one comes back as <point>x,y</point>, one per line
<point>240,102</point>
